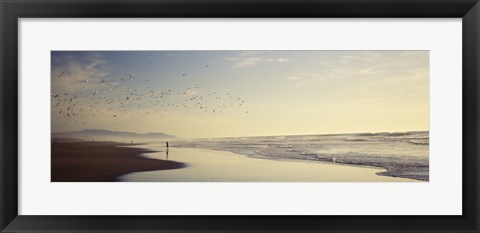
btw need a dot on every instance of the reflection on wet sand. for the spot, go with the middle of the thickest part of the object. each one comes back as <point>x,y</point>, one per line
<point>220,166</point>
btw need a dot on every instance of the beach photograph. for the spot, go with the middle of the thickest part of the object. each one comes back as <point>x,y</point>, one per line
<point>240,116</point>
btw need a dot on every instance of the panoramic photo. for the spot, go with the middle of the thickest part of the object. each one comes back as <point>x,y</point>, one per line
<point>240,116</point>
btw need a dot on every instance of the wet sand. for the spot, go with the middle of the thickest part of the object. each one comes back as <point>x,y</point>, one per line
<point>101,161</point>
<point>223,166</point>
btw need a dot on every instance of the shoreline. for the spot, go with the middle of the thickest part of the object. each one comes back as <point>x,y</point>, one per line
<point>388,172</point>
<point>101,161</point>
<point>206,165</point>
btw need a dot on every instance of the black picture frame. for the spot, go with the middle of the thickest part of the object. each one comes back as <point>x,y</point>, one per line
<point>11,11</point>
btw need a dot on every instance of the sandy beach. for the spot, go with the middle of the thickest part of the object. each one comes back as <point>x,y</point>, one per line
<point>101,161</point>
<point>107,162</point>
<point>222,166</point>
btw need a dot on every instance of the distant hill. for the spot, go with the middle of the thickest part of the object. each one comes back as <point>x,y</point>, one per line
<point>107,135</point>
<point>67,140</point>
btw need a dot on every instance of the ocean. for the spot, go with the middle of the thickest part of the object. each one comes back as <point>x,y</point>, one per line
<point>402,154</point>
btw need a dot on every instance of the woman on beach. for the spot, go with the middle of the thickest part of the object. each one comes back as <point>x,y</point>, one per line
<point>166,151</point>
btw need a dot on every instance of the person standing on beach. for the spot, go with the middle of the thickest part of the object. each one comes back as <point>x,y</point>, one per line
<point>167,151</point>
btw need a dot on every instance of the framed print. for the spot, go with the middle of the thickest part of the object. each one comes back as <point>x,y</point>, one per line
<point>239,116</point>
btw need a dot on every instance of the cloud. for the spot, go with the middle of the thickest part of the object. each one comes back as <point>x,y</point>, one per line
<point>368,71</point>
<point>77,72</point>
<point>191,92</point>
<point>246,61</point>
<point>293,78</point>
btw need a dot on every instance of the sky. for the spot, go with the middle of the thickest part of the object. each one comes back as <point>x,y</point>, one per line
<point>203,94</point>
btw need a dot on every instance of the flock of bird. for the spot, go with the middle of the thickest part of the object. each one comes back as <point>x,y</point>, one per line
<point>122,97</point>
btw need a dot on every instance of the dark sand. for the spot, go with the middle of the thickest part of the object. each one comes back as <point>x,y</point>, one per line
<point>101,161</point>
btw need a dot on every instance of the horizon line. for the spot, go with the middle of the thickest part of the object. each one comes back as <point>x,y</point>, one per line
<point>332,133</point>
